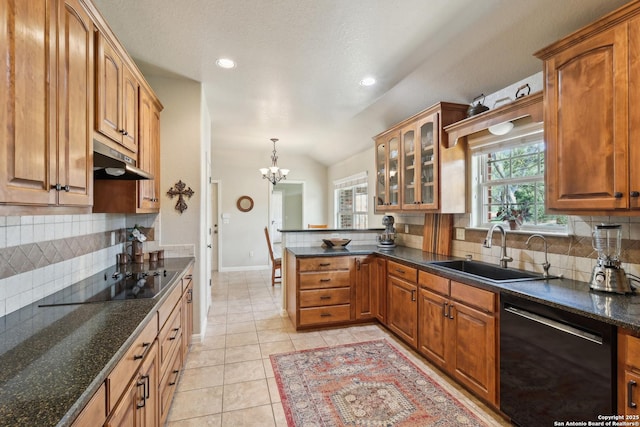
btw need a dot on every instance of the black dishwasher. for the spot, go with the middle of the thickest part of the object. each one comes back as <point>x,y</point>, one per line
<point>554,365</point>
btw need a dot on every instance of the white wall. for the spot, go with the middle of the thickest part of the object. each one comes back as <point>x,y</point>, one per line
<point>181,159</point>
<point>361,162</point>
<point>237,172</point>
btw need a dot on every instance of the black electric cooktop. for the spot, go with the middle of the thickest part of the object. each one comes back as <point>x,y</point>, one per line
<point>131,281</point>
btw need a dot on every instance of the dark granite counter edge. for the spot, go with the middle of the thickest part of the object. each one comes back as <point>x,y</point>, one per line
<point>84,398</point>
<point>333,230</point>
<point>529,290</point>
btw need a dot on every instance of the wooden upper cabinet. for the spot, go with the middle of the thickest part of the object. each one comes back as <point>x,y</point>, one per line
<point>387,172</point>
<point>75,105</point>
<point>27,122</point>
<point>46,99</point>
<point>591,130</point>
<point>149,151</point>
<point>410,157</point>
<point>420,164</point>
<point>116,98</point>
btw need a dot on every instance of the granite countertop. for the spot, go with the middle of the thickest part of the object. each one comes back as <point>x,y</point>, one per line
<point>55,358</point>
<point>567,294</point>
<point>331,230</point>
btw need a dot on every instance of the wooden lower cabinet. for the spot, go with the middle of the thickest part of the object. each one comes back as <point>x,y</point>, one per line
<point>628,374</point>
<point>95,413</point>
<point>379,289</point>
<point>321,290</point>
<point>365,284</point>
<point>169,384</point>
<point>402,315</point>
<point>138,405</point>
<point>458,333</point>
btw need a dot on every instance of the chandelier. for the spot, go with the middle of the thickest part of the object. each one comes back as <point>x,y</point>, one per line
<point>274,173</point>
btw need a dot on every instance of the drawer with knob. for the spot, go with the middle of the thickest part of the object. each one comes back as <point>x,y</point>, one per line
<point>315,298</point>
<point>327,314</point>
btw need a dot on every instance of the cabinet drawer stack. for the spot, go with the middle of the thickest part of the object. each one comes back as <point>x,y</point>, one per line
<point>325,290</point>
<point>628,374</point>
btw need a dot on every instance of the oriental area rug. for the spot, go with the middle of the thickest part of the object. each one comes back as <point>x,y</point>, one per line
<point>365,384</point>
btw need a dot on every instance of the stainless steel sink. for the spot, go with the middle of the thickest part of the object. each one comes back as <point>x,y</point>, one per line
<point>490,272</point>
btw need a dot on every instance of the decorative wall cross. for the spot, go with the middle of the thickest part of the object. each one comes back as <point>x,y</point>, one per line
<point>179,190</point>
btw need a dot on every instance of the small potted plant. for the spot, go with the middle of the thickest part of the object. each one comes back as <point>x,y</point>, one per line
<point>512,215</point>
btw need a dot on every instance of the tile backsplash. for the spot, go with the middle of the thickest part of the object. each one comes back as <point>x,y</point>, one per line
<point>40,255</point>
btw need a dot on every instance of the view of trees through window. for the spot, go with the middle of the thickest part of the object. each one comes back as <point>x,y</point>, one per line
<point>512,187</point>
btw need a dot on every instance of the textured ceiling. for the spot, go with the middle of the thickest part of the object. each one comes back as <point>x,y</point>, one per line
<point>300,61</point>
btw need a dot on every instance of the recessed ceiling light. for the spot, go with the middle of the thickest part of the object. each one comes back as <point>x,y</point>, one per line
<point>367,81</point>
<point>225,63</point>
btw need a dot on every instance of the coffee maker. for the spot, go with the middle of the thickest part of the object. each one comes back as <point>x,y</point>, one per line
<point>607,275</point>
<point>387,239</point>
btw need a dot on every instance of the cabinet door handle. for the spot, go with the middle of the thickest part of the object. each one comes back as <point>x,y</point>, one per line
<point>444,309</point>
<point>56,187</point>
<point>189,296</point>
<point>176,330</point>
<point>358,264</point>
<point>325,264</point>
<point>325,315</point>
<point>400,271</point>
<point>413,295</point>
<point>146,346</point>
<point>142,383</point>
<point>617,195</point>
<point>66,188</point>
<point>175,371</point>
<point>635,194</point>
<point>450,316</point>
<point>325,280</point>
<point>630,402</point>
<point>325,297</point>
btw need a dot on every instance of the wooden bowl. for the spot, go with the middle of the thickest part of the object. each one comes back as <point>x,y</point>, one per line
<point>335,242</point>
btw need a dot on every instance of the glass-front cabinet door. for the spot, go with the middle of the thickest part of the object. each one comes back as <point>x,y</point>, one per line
<point>410,164</point>
<point>420,164</point>
<point>428,153</point>
<point>387,173</point>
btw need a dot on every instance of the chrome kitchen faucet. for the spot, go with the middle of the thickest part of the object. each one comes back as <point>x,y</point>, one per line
<point>504,259</point>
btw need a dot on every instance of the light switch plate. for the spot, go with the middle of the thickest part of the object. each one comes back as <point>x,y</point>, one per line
<point>459,233</point>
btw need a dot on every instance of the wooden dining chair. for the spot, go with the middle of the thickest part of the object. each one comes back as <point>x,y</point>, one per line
<point>276,263</point>
<point>317,226</point>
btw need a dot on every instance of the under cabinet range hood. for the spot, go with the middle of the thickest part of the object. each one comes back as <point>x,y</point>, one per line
<point>112,164</point>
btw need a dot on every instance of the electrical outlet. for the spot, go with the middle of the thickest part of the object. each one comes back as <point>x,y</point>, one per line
<point>113,238</point>
<point>459,233</point>
<point>406,229</point>
<point>251,253</point>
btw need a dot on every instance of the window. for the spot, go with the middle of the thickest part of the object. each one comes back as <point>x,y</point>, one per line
<point>509,184</point>
<point>351,204</point>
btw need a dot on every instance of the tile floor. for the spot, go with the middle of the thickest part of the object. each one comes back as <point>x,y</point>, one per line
<point>228,380</point>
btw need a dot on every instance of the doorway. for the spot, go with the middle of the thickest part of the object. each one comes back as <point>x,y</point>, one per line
<point>286,209</point>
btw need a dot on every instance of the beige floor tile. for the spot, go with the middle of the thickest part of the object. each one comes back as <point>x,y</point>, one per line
<point>269,348</point>
<point>208,376</point>
<point>242,353</point>
<point>243,371</point>
<point>196,403</point>
<point>237,328</point>
<point>208,421</point>
<point>265,324</point>
<point>278,414</point>
<point>245,395</point>
<point>212,343</point>
<point>273,390</point>
<point>306,343</point>
<point>261,416</point>
<point>268,367</point>
<point>216,329</point>
<point>244,338</point>
<point>240,317</point>
<point>266,315</point>
<point>199,359</point>
<point>272,335</point>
